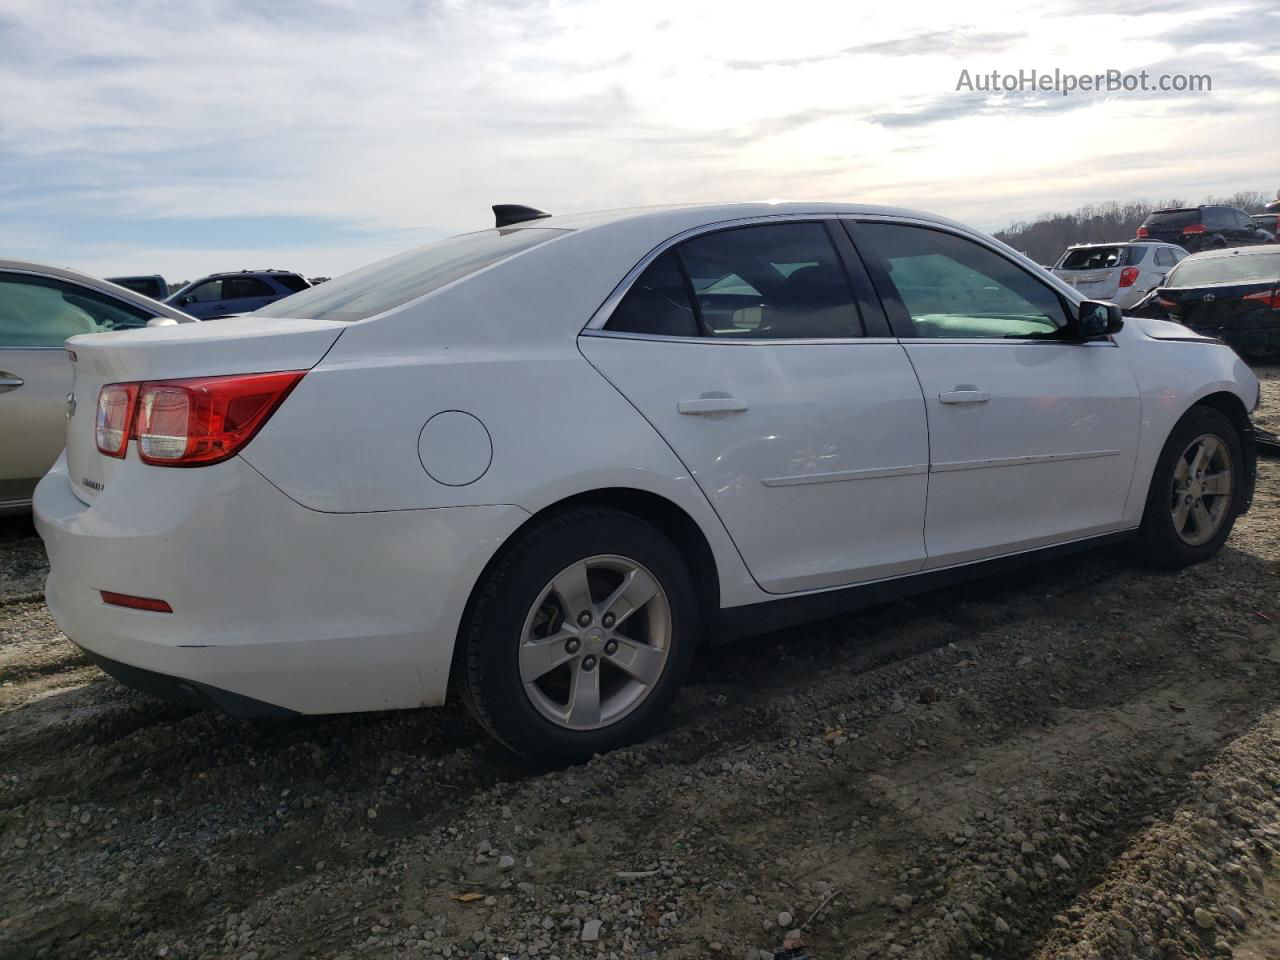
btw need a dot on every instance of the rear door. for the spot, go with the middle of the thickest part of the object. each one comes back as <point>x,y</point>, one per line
<point>37,314</point>
<point>244,294</point>
<point>760,355</point>
<point>1033,439</point>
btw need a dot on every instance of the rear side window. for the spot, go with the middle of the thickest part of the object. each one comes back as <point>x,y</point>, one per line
<point>658,303</point>
<point>290,281</point>
<point>241,288</point>
<point>43,312</point>
<point>1219,218</point>
<point>781,281</point>
<point>395,281</point>
<point>1165,257</point>
<point>1134,255</point>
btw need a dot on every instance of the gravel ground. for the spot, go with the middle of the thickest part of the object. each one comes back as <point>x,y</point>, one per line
<point>1077,760</point>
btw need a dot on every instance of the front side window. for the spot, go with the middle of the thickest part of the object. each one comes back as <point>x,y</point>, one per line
<point>781,281</point>
<point>395,281</point>
<point>955,288</point>
<point>207,292</point>
<point>43,312</point>
<point>242,288</point>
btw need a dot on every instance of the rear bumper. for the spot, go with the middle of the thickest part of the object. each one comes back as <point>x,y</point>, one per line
<point>276,608</point>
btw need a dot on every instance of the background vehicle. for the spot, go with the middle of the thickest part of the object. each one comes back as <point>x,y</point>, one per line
<point>1122,273</point>
<point>1230,294</point>
<point>152,286</point>
<point>1269,222</point>
<point>40,306</point>
<point>544,462</point>
<point>1204,228</point>
<point>220,294</point>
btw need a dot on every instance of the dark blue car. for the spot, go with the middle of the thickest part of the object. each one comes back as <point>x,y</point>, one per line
<point>220,294</point>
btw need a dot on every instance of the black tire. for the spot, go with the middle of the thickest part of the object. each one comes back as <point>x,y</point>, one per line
<point>488,668</point>
<point>1159,541</point>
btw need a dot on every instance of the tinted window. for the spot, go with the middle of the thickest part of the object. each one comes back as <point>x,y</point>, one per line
<point>1229,269</point>
<point>658,302</point>
<point>1164,257</point>
<point>153,287</point>
<point>1243,220</point>
<point>774,281</point>
<point>953,287</point>
<point>397,280</point>
<point>43,312</point>
<point>290,281</point>
<point>240,288</point>
<point>1174,218</point>
<point>207,292</point>
<point>1134,255</point>
<point>1218,218</point>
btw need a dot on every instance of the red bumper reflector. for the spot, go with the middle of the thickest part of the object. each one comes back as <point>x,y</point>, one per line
<point>135,603</point>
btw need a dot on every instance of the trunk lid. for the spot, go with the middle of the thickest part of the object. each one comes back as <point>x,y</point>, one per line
<point>244,345</point>
<point>1094,284</point>
<point>1214,307</point>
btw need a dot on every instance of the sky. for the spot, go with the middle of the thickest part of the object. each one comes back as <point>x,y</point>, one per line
<point>183,138</point>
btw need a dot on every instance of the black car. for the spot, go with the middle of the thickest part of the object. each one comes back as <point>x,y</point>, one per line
<point>1204,228</point>
<point>1233,295</point>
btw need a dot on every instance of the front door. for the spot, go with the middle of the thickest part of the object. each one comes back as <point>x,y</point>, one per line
<point>745,349</point>
<point>1033,439</point>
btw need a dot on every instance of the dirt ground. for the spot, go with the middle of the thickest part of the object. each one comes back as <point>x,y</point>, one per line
<point>1078,760</point>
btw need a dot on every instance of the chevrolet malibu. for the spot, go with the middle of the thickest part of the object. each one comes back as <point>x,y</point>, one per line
<point>539,464</point>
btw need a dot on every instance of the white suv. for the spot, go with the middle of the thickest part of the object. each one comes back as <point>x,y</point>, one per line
<point>540,464</point>
<point>1122,273</point>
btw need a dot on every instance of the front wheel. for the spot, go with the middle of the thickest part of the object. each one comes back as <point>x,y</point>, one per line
<point>1196,491</point>
<point>579,636</point>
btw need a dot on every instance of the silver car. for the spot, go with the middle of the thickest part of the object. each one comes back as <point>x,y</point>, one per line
<point>40,307</point>
<point>1122,273</point>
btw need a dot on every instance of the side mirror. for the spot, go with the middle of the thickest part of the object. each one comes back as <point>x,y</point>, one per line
<point>1098,319</point>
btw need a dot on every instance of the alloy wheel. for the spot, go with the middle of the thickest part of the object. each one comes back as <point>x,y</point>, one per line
<point>595,643</point>
<point>1202,488</point>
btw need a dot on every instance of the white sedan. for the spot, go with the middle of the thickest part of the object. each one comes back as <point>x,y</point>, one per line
<point>539,464</point>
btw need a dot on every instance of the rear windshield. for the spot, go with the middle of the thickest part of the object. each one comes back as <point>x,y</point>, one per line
<point>1174,218</point>
<point>397,280</point>
<point>1232,269</point>
<point>1099,258</point>
<point>290,280</point>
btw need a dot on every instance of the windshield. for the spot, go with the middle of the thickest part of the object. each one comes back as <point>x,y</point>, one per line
<point>1174,218</point>
<point>397,280</point>
<point>1233,269</point>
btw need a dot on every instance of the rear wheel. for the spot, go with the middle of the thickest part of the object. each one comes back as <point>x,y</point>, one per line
<point>579,637</point>
<point>1196,491</point>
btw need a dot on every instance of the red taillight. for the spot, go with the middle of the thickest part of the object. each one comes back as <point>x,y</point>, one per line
<point>1271,299</point>
<point>116,403</point>
<point>1143,233</point>
<point>1128,275</point>
<point>135,603</point>
<point>187,423</point>
<point>1192,228</point>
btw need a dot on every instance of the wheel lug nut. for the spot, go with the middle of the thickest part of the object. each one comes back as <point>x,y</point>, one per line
<point>584,618</point>
<point>611,647</point>
<point>572,645</point>
<point>609,620</point>
<point>588,663</point>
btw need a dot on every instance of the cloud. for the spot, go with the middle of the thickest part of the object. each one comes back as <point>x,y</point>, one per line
<point>936,41</point>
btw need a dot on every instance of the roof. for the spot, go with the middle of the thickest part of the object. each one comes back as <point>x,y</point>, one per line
<point>95,283</point>
<point>696,214</point>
